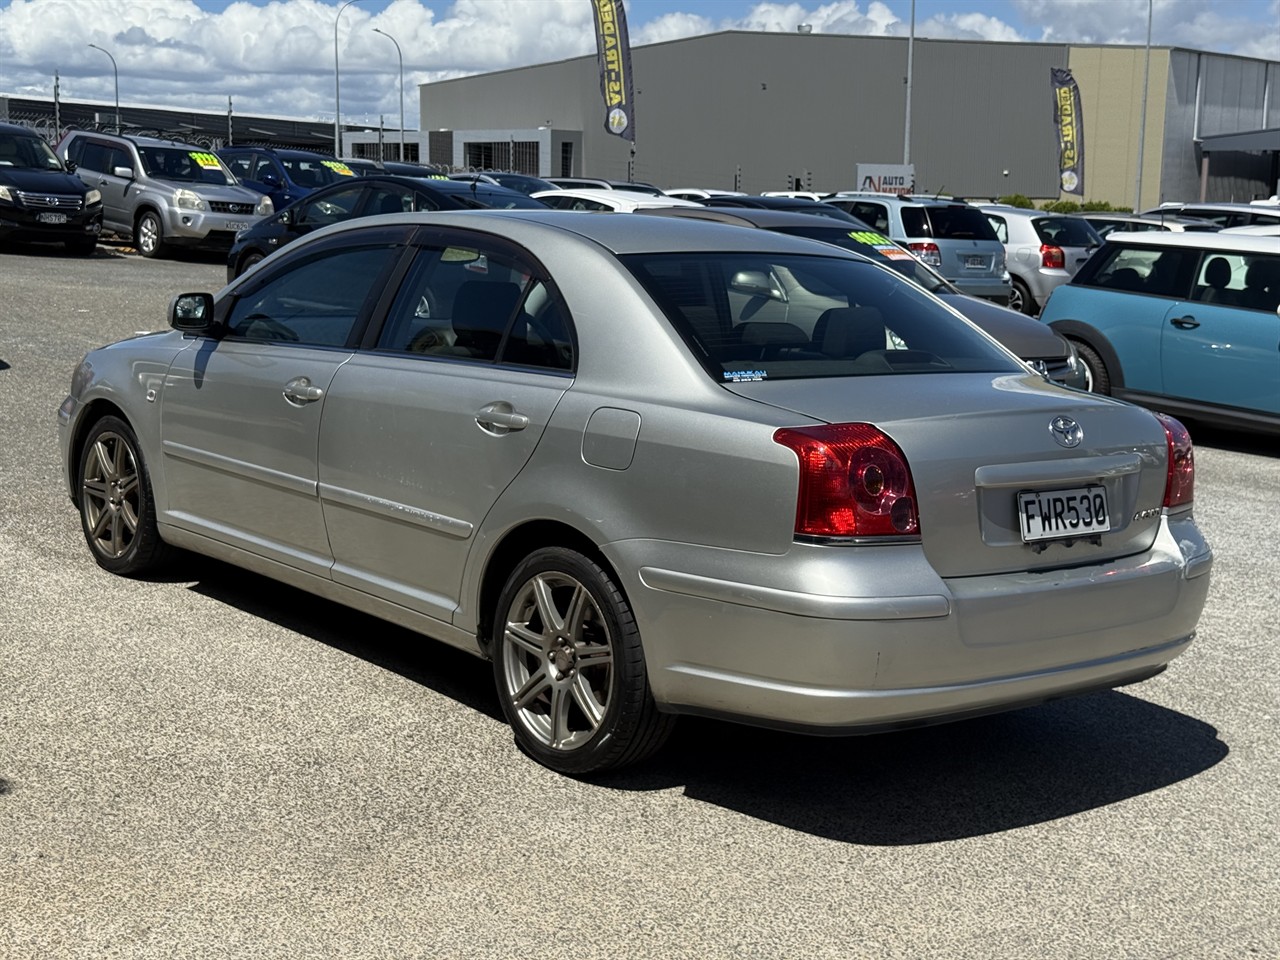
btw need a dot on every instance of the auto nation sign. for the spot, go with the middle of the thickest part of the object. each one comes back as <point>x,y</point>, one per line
<point>896,178</point>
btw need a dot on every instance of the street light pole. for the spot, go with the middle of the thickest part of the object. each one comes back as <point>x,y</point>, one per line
<point>337,89</point>
<point>401,58</point>
<point>115,73</point>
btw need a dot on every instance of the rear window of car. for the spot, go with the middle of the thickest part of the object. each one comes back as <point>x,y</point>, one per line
<point>951,223</point>
<point>755,316</point>
<point>1066,232</point>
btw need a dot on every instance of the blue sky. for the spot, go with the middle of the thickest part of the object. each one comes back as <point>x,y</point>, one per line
<point>276,56</point>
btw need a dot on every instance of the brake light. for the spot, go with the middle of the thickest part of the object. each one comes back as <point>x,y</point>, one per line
<point>854,482</point>
<point>1052,257</point>
<point>928,252</point>
<point>1179,487</point>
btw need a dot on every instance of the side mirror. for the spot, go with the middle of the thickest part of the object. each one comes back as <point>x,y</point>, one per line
<point>70,166</point>
<point>125,172</point>
<point>271,180</point>
<point>192,313</point>
<point>756,283</point>
<point>285,217</point>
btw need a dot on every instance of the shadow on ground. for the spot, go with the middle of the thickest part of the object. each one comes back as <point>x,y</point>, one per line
<point>1257,444</point>
<point>928,785</point>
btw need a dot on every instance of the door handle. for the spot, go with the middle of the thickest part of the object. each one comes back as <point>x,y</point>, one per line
<point>301,390</point>
<point>500,416</point>
<point>1185,323</point>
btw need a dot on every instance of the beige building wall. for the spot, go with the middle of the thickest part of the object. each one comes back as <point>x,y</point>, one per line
<point>1111,81</point>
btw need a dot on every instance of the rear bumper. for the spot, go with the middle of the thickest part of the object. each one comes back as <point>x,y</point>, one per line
<point>909,647</point>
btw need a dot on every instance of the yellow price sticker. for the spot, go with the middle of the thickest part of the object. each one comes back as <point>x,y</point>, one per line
<point>340,168</point>
<point>207,161</point>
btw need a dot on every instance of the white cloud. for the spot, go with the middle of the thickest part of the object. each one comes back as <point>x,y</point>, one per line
<point>1246,27</point>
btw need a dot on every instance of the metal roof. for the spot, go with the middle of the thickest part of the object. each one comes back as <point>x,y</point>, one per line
<point>1262,140</point>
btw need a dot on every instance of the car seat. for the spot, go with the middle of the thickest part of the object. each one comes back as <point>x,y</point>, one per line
<point>1262,285</point>
<point>481,311</point>
<point>1217,274</point>
<point>848,332</point>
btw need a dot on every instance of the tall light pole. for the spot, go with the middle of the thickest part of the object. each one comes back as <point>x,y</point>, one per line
<point>401,58</point>
<point>115,73</point>
<point>1142,123</point>
<point>337,89</point>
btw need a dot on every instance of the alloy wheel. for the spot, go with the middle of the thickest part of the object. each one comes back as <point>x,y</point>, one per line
<point>110,495</point>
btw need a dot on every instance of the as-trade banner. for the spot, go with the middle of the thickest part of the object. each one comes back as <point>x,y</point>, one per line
<point>613,50</point>
<point>1066,116</point>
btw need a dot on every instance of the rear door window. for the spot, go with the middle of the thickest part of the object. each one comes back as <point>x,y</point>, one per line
<point>1066,232</point>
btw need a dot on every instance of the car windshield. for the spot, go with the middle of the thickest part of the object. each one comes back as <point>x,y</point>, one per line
<point>311,172</point>
<point>1066,232</point>
<point>184,165</point>
<point>951,222</point>
<point>757,316</point>
<point>27,153</point>
<point>879,248</point>
<point>526,185</point>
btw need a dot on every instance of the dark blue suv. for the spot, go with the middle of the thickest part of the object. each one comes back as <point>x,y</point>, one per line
<point>284,175</point>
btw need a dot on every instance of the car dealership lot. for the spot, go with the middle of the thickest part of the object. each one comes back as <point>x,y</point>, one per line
<point>214,764</point>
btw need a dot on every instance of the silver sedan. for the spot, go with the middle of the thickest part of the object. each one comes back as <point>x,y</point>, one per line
<point>648,467</point>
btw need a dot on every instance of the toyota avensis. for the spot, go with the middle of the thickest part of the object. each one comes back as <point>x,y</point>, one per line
<point>590,448</point>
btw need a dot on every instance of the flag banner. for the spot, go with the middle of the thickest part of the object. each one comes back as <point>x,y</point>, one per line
<point>1066,117</point>
<point>613,50</point>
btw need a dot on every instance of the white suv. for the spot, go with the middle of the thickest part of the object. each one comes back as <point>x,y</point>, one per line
<point>162,193</point>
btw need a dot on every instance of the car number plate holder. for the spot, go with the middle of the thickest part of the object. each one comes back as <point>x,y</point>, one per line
<point>975,263</point>
<point>1063,514</point>
<point>236,226</point>
<point>52,217</point>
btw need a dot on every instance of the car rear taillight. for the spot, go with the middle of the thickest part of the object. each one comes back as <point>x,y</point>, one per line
<point>854,482</point>
<point>1179,488</point>
<point>928,252</point>
<point>1052,257</point>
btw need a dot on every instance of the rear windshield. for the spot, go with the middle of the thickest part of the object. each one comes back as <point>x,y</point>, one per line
<point>953,222</point>
<point>756,316</point>
<point>184,166</point>
<point>880,249</point>
<point>1066,232</point>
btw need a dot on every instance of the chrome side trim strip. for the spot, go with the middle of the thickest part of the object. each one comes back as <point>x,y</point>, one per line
<point>449,526</point>
<point>800,604</point>
<point>1057,471</point>
<point>239,468</point>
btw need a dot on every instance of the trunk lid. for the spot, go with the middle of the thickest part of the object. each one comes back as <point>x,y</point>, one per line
<point>974,442</point>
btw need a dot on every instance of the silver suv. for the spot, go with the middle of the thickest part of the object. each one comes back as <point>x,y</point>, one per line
<point>1042,251</point>
<point>951,236</point>
<point>163,193</point>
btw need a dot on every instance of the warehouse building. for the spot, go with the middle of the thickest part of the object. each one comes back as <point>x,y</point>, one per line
<point>768,111</point>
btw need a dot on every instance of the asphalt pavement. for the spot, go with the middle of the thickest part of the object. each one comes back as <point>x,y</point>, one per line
<point>213,765</point>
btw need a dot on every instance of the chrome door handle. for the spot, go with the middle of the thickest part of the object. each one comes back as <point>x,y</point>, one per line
<point>495,417</point>
<point>1185,323</point>
<point>301,390</point>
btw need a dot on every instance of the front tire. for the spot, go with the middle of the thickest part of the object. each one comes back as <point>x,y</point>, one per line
<point>250,260</point>
<point>149,235</point>
<point>117,511</point>
<point>569,667</point>
<point>1096,378</point>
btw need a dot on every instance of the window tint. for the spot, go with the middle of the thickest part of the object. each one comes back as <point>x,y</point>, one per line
<point>241,165</point>
<point>1239,280</point>
<point>389,198</point>
<point>1159,271</point>
<point>750,316</point>
<point>103,157</point>
<point>318,302</point>
<point>332,207</point>
<point>309,172</point>
<point>958,223</point>
<point>1066,232</point>
<point>880,249</point>
<point>474,303</point>
<point>915,223</point>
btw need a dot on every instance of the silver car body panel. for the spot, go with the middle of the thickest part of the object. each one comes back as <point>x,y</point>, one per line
<point>676,481</point>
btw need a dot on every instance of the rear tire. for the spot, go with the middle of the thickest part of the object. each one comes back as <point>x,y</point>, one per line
<point>569,667</point>
<point>1096,377</point>
<point>1020,299</point>
<point>117,510</point>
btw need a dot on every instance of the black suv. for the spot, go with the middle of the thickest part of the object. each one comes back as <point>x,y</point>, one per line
<point>40,199</point>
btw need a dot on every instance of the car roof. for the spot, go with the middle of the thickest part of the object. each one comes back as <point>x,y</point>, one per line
<point>1224,206</point>
<point>19,130</point>
<point>753,217</point>
<point>621,235</point>
<point>1210,240</point>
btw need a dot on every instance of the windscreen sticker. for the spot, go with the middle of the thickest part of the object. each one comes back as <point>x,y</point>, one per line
<point>895,253</point>
<point>870,238</point>
<point>745,376</point>
<point>340,168</point>
<point>207,161</point>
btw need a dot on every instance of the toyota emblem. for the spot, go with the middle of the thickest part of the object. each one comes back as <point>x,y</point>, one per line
<point>1066,431</point>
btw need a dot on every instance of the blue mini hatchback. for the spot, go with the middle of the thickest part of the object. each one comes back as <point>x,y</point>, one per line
<point>1185,323</point>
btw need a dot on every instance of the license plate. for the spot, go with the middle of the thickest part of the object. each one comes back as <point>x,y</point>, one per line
<point>975,263</point>
<point>1058,514</point>
<point>236,227</point>
<point>52,217</point>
